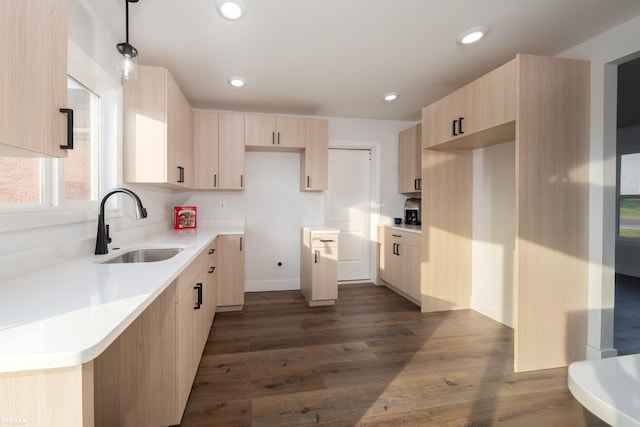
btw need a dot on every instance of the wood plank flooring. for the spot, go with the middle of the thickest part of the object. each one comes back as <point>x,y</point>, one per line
<point>371,360</point>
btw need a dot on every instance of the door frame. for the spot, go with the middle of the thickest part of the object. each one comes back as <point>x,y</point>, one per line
<point>374,202</point>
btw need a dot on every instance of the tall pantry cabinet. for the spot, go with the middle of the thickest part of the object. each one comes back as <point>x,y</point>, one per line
<point>33,77</point>
<point>542,105</point>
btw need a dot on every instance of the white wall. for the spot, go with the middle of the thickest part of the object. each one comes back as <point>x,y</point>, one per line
<point>493,222</point>
<point>274,209</point>
<point>604,51</point>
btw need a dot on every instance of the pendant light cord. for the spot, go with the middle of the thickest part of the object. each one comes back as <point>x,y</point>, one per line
<point>127,18</point>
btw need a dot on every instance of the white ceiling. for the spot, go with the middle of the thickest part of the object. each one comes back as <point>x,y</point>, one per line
<point>338,57</point>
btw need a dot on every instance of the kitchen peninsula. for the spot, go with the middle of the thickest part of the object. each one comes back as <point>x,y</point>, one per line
<point>72,331</point>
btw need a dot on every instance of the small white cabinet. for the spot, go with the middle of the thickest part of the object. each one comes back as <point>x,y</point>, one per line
<point>319,266</point>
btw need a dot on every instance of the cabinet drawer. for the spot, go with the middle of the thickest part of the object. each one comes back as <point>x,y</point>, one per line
<point>395,235</point>
<point>189,276</point>
<point>324,240</point>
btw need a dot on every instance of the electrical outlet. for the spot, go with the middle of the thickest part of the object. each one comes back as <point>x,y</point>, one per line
<point>279,265</point>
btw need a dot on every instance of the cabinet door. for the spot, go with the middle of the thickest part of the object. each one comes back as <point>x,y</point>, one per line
<point>231,265</point>
<point>410,160</point>
<point>290,132</point>
<point>205,140</point>
<point>408,273</point>
<point>479,112</point>
<point>191,338</point>
<point>259,130</point>
<point>324,270</point>
<point>314,164</point>
<point>179,136</point>
<point>491,100</point>
<point>438,121</point>
<point>33,76</point>
<point>231,133</point>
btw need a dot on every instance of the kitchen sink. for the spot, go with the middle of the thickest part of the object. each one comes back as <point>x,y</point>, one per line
<point>143,255</point>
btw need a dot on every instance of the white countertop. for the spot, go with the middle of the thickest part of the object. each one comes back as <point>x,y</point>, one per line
<point>609,388</point>
<point>69,314</point>
<point>405,227</point>
<point>322,230</point>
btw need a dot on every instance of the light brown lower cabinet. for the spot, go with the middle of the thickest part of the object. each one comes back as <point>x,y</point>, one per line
<point>319,267</point>
<point>142,379</point>
<point>400,261</point>
<point>231,275</point>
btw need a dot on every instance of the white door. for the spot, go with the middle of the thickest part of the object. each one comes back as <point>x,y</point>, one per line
<point>348,210</point>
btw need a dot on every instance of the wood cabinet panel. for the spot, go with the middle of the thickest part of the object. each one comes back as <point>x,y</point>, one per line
<point>265,131</point>
<point>231,151</point>
<point>205,148</point>
<point>134,377</point>
<point>33,77</point>
<point>158,130</point>
<point>400,261</point>
<point>479,114</point>
<point>314,162</point>
<point>551,257</point>
<point>410,160</point>
<point>230,260</point>
<point>319,267</point>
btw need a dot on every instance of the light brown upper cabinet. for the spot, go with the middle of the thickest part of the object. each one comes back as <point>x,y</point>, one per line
<point>548,98</point>
<point>410,160</point>
<point>33,77</point>
<point>219,151</point>
<point>264,131</point>
<point>478,114</point>
<point>158,130</point>
<point>314,164</point>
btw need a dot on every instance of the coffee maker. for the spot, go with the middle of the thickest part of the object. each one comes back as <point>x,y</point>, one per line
<point>412,211</point>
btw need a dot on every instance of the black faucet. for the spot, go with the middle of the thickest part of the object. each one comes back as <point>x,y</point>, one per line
<point>103,238</point>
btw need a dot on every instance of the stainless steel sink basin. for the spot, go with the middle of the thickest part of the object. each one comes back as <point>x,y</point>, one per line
<point>143,255</point>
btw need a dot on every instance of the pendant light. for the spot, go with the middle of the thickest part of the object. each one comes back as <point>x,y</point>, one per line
<point>128,52</point>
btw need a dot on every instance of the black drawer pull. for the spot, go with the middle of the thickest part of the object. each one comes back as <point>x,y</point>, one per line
<point>198,288</point>
<point>69,113</point>
<point>212,269</point>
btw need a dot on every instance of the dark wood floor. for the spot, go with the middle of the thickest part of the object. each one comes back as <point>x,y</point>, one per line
<point>372,360</point>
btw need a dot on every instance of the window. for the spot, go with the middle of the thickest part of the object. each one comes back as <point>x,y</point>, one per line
<point>81,165</point>
<point>69,183</point>
<point>629,196</point>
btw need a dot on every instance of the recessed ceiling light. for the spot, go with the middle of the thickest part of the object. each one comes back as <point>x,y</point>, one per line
<point>473,35</point>
<point>390,96</point>
<point>236,81</point>
<point>230,9</point>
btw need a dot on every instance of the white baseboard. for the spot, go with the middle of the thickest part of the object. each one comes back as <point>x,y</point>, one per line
<point>272,285</point>
<point>600,353</point>
<point>490,310</point>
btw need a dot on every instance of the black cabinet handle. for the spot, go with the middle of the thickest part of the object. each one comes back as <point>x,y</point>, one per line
<point>460,125</point>
<point>327,240</point>
<point>198,288</point>
<point>394,248</point>
<point>415,184</point>
<point>396,235</point>
<point>278,138</point>
<point>419,184</point>
<point>241,181</point>
<point>454,128</point>
<point>398,249</point>
<point>315,257</point>
<point>308,182</point>
<point>241,238</point>
<point>215,180</point>
<point>212,269</point>
<point>69,113</point>
<point>180,174</point>
<point>211,251</point>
